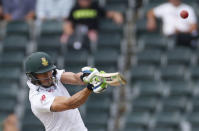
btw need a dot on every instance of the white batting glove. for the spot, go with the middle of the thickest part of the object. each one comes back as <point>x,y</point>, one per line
<point>89,76</point>
<point>98,84</point>
<point>99,87</point>
<point>88,73</point>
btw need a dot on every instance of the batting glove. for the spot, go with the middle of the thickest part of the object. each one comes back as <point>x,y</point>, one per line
<point>88,74</point>
<point>98,85</point>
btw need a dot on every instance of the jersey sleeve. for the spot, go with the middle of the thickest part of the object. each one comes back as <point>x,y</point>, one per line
<point>159,10</point>
<point>42,101</point>
<point>192,16</point>
<point>59,74</point>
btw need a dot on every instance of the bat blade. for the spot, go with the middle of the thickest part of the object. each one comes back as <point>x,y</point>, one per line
<point>113,79</point>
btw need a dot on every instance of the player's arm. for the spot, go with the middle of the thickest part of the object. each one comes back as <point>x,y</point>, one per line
<point>62,103</point>
<point>72,78</point>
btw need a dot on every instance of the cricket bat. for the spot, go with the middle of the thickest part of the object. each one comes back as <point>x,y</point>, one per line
<point>112,79</point>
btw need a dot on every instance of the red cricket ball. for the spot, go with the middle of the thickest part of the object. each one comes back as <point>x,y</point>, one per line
<point>184,14</point>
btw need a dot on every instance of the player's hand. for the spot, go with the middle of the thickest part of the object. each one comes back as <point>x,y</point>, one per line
<point>88,74</point>
<point>98,85</point>
<point>90,77</point>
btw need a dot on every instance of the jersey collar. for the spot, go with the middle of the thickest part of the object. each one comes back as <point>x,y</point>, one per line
<point>40,88</point>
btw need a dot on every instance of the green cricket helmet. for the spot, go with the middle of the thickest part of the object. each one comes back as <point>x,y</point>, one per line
<point>39,62</point>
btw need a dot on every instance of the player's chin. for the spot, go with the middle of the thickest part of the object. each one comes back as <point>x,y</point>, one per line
<point>48,83</point>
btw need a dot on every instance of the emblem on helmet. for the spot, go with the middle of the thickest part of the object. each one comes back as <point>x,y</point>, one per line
<point>44,61</point>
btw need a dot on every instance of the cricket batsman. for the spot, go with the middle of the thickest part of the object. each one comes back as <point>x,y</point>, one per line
<point>50,101</point>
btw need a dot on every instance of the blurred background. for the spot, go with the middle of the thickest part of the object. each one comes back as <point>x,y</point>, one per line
<point>146,40</point>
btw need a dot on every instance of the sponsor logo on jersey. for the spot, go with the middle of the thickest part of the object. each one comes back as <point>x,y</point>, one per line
<point>43,98</point>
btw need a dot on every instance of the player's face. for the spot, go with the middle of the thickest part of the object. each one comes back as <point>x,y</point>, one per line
<point>45,78</point>
<point>84,3</point>
<point>175,2</point>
